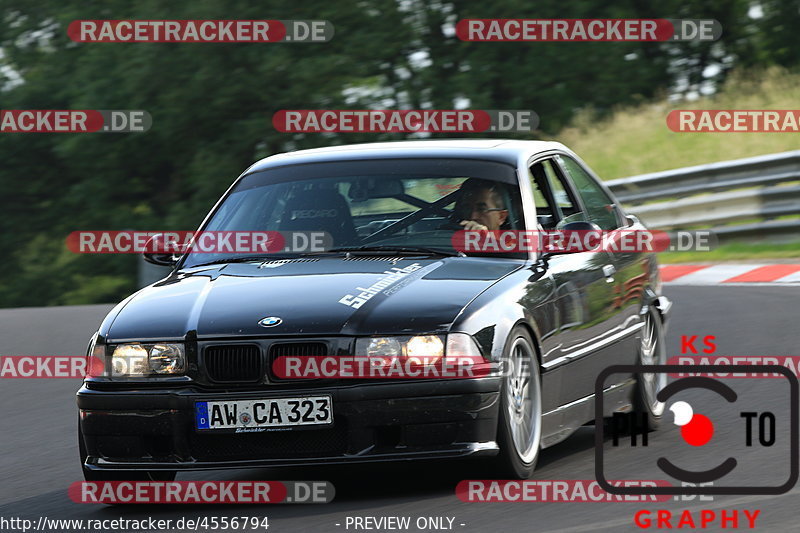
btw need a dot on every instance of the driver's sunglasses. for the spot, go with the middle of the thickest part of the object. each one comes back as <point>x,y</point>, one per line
<point>480,209</point>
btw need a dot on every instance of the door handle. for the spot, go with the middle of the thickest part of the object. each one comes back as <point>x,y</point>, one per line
<point>608,272</point>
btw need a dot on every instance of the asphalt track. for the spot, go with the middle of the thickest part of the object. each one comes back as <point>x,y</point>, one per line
<point>39,456</point>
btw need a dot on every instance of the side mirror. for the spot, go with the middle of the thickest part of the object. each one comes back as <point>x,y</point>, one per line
<point>157,256</point>
<point>580,225</point>
<point>582,228</point>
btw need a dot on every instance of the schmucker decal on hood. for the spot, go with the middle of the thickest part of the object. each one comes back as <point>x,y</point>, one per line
<point>405,295</point>
<point>393,275</point>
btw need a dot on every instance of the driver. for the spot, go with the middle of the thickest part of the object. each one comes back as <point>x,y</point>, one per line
<point>480,205</point>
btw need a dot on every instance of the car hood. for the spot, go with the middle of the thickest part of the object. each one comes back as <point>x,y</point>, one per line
<point>310,296</point>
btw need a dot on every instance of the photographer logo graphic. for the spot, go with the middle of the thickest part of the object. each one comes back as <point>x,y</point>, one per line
<point>723,436</point>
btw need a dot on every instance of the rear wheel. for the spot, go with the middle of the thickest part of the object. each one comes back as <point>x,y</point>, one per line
<point>106,475</point>
<point>652,351</point>
<point>519,423</point>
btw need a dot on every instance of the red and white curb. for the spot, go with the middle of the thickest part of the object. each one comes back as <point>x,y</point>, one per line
<point>713,274</point>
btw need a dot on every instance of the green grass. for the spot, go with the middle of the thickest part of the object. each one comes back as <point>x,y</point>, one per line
<point>738,252</point>
<point>636,140</point>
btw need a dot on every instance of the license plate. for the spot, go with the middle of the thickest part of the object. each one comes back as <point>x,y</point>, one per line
<point>256,415</point>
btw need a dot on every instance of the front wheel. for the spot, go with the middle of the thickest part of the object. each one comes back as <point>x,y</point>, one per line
<point>652,351</point>
<point>520,421</point>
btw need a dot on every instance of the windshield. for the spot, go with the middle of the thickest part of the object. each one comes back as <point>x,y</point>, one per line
<point>417,203</point>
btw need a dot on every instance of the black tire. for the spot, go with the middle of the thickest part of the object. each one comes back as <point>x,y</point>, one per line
<point>520,409</point>
<point>652,350</point>
<point>105,475</point>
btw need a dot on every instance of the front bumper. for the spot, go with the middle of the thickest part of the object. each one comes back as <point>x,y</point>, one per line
<point>154,429</point>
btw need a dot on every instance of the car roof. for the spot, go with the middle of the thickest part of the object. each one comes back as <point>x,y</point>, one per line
<point>502,150</point>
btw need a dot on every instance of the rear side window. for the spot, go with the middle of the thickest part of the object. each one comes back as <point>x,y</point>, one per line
<point>600,208</point>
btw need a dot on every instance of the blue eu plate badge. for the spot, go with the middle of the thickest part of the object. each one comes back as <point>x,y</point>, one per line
<point>201,414</point>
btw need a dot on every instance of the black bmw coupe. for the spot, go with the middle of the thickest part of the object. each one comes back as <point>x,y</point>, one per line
<point>186,369</point>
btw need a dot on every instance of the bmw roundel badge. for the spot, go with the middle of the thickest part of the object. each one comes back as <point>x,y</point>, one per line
<point>269,321</point>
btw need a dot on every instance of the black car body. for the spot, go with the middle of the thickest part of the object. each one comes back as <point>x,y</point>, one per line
<point>575,314</point>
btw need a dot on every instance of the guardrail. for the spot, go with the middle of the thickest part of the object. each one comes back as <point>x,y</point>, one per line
<point>725,197</point>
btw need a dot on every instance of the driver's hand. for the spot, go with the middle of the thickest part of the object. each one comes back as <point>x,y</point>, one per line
<point>472,225</point>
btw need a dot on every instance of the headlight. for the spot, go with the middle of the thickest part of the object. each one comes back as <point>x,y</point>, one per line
<point>423,349</point>
<point>167,359</point>
<point>379,347</point>
<point>147,359</point>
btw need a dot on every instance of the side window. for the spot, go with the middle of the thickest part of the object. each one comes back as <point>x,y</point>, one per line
<point>564,200</point>
<point>600,208</point>
<point>541,192</point>
<point>555,204</point>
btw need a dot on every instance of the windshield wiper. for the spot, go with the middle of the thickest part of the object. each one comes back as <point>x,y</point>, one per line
<point>407,250</point>
<point>404,250</point>
<point>243,259</point>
